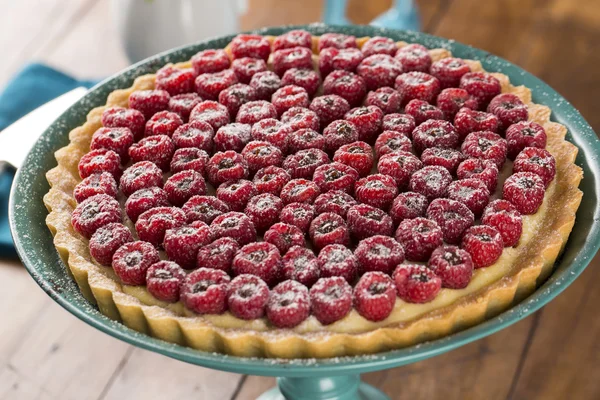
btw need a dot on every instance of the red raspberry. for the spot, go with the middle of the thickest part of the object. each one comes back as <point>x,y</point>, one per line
<point>299,191</point>
<point>226,166</point>
<point>509,109</point>
<point>357,155</point>
<point>416,283</point>
<point>204,291</point>
<point>260,154</point>
<point>329,108</point>
<point>263,211</point>
<point>505,217</point>
<point>374,296</point>
<point>452,100</point>
<point>149,102</point>
<point>95,212</point>
<point>379,70</point>
<point>379,253</point>
<point>453,217</point>
<point>300,264</point>
<point>452,265</point>
<point>484,244</point>
<point>335,176</point>
<point>471,192</point>
<point>419,237</point>
<point>329,228</point>
<point>400,165</point>
<point>182,244</point>
<point>204,208</point>
<point>245,68</point>
<point>212,60</point>
<point>145,199</point>
<point>209,85</point>
<point>365,221</point>
<point>339,133</point>
<point>235,96</point>
<point>272,131</point>
<point>284,236</point>
<point>261,259</point>
<point>152,225</point>
<point>288,305</point>
<point>305,78</point>
<point>368,120</point>
<point>196,134</point>
<point>158,149</point>
<point>480,85</point>
<point>132,260</point>
<point>431,181</point>
<point>271,180</point>
<point>236,194</point>
<point>377,190</point>
<point>297,118</point>
<point>296,57</point>
<point>447,158</point>
<point>422,111</point>
<point>305,139</point>
<point>183,104</point>
<point>487,146</point>
<point>235,225</point>
<point>338,260</point>
<point>211,112</point>
<point>254,46</point>
<point>417,85</point>
<point>255,111</point>
<point>175,80</point>
<point>347,85</point>
<point>298,214</point>
<point>163,123</point>
<point>408,205</point>
<point>115,139</point>
<point>335,201</point>
<point>434,133</point>
<point>467,121</point>
<point>486,171</point>
<point>332,59</point>
<point>524,134</point>
<point>402,123</point>
<point>379,45</point>
<point>290,96</point>
<point>99,161</point>
<point>189,158</point>
<point>337,40</point>
<point>291,39</point>
<point>304,163</point>
<point>107,240</point>
<point>414,57</point>
<point>538,161</point>
<point>525,190</point>
<point>119,117</point>
<point>331,299</point>
<point>102,183</point>
<point>183,185</point>
<point>247,297</point>
<point>163,280</point>
<point>449,71</point>
<point>265,83</point>
<point>218,254</point>
<point>386,98</point>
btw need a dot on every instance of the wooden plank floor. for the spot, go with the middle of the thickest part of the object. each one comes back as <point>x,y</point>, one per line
<point>45,353</point>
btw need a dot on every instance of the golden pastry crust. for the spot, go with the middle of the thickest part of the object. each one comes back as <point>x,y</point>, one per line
<point>492,290</point>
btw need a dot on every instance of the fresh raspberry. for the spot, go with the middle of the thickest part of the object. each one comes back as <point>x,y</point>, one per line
<point>182,244</point>
<point>296,57</point>
<point>480,85</point>
<point>374,296</point>
<point>509,109</point>
<point>236,194</point>
<point>467,121</point>
<point>119,117</point>
<point>209,85</point>
<point>386,98</point>
<point>300,191</point>
<point>196,134</point>
<point>245,68</point>
<point>400,165</point>
<point>263,211</point>
<point>339,133</point>
<point>525,190</point>
<point>485,145</point>
<point>298,214</point>
<point>379,253</point>
<point>452,265</point>
<point>261,259</point>
<point>357,155</point>
<point>379,70</point>
<point>524,134</point>
<point>305,78</point>
<point>226,166</point>
<point>163,123</point>
<point>486,171</point>
<point>218,254</point>
<point>452,100</point>
<point>291,39</point>
<point>329,228</point>
<point>300,264</point>
<point>402,123</point>
<point>284,236</point>
<point>163,280</point>
<point>115,139</point>
<point>414,57</point>
<point>107,240</point>
<point>247,297</point>
<point>331,299</point>
<point>272,131</point>
<point>416,283</point>
<point>305,139</point>
<point>538,161</point>
<point>235,96</point>
<point>329,108</point>
<point>256,111</point>
<point>183,104</point>
<point>335,176</point>
<point>347,85</point>
<point>368,121</point>
<point>204,208</point>
<point>132,260</point>
<point>332,59</point>
<point>290,96</point>
<point>447,158</point>
<point>297,118</point>
<point>431,181</point>
<point>152,225</point>
<point>338,260</point>
<point>141,175</point>
<point>505,217</point>
<point>149,102</point>
<point>102,183</point>
<point>365,221</point>
<point>335,201</point>
<point>205,290</point>
<point>99,161</point>
<point>434,133</point>
<point>419,237</point>
<point>449,71</point>
<point>143,200</point>
<point>453,218</point>
<point>271,180</point>
<point>379,45</point>
<point>183,185</point>
<point>189,158</point>
<point>208,61</point>
<point>95,212</point>
<point>158,149</point>
<point>260,154</point>
<point>417,85</point>
<point>337,40</point>
<point>471,192</point>
<point>253,46</point>
<point>377,190</point>
<point>408,205</point>
<point>484,244</point>
<point>288,305</point>
<point>211,112</point>
<point>422,111</point>
<point>175,80</point>
<point>265,83</point>
<point>304,163</point>
<point>235,225</point>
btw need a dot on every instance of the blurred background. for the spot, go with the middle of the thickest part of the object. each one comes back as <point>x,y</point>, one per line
<point>45,353</point>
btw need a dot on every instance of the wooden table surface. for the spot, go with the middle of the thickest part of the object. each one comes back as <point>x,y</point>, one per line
<point>45,353</point>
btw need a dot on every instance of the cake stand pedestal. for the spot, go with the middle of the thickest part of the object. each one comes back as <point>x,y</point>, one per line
<point>345,387</point>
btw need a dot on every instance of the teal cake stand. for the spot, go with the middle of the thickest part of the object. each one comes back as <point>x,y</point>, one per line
<point>297,379</point>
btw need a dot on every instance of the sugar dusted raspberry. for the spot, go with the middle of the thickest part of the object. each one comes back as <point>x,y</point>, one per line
<point>182,244</point>
<point>484,244</point>
<point>95,212</point>
<point>245,68</point>
<point>218,254</point>
<point>247,297</point>
<point>189,159</point>
<point>447,158</point>
<point>305,139</point>
<point>209,85</point>
<point>304,163</point>
<point>107,240</point>
<point>335,201</point>
<point>119,117</point>
<point>357,155</point>
<point>264,211</point>
<point>509,109</point>
<point>525,190</point>
<point>260,154</point>
<point>449,71</point>
<point>416,283</point>
<point>296,57</point>
<point>163,123</point>
<point>271,179</point>
<point>183,104</point>
<point>141,175</point>
<point>337,40</point>
<point>379,253</point>
<point>152,225</point>
<point>254,46</point>
<point>400,165</point>
<point>300,264</point>
<point>300,191</point>
<point>226,166</point>
<point>419,237</point>
<point>379,70</point>
<point>235,96</point>
<point>377,190</point>
<point>505,217</point>
<point>236,194</point>
<point>468,120</point>
<point>175,80</point>
<point>524,134</point>
<point>284,236</point>
<point>332,59</point>
<point>483,170</point>
<point>298,214</point>
<point>272,131</point>
<point>335,176</point>
<point>163,280</point>
<point>303,77</point>
<point>331,299</point>
<point>158,149</point>
<point>329,228</point>
<point>417,85</point>
<point>204,208</point>
<point>265,83</point>
<point>329,108</point>
<point>290,96</point>
<point>297,118</point>
<point>431,181</point>
<point>374,296</point>
<point>480,85</point>
<point>212,60</point>
<point>408,205</point>
<point>211,112</point>
<point>149,102</point>
<point>386,98</point>
<point>402,123</point>
<point>115,139</point>
<point>347,85</point>
<point>452,100</point>
<point>288,305</point>
<point>261,259</point>
<point>256,111</point>
<point>422,111</point>
<point>368,121</point>
<point>453,218</point>
<point>235,225</point>
<point>102,183</point>
<point>434,133</point>
<point>452,265</point>
<point>99,161</point>
<point>471,192</point>
<point>143,200</point>
<point>365,221</point>
<point>132,260</point>
<point>205,290</point>
<point>486,146</point>
<point>538,161</point>
<point>339,133</point>
<point>291,39</point>
<point>338,260</point>
<point>414,57</point>
<point>379,45</point>
<point>183,185</point>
